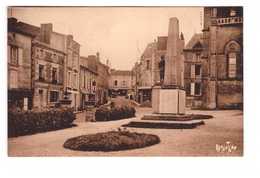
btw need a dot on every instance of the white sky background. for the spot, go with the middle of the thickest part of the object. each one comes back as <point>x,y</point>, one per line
<point>116,32</point>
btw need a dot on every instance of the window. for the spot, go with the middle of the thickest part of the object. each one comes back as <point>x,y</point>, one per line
<point>232,65</point>
<point>13,79</point>
<point>197,88</point>
<point>14,55</point>
<point>54,96</point>
<point>124,83</point>
<point>94,86</point>
<point>41,53</point>
<point>69,80</point>
<point>69,59</point>
<point>147,64</point>
<point>48,55</point>
<point>115,83</point>
<point>54,75</point>
<point>192,71</point>
<point>197,57</point>
<point>75,81</point>
<point>84,81</point>
<point>41,72</point>
<point>197,69</point>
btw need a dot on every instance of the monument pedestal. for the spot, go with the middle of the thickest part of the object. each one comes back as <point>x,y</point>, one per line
<point>168,100</point>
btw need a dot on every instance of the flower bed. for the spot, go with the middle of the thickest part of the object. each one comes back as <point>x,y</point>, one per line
<point>30,122</point>
<point>114,113</point>
<point>111,141</point>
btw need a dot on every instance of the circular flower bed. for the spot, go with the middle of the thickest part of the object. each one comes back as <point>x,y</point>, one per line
<point>111,141</point>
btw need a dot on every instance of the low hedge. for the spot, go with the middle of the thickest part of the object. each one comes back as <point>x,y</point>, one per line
<point>111,141</point>
<point>30,122</point>
<point>114,113</point>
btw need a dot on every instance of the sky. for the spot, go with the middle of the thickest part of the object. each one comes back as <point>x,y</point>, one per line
<point>119,34</point>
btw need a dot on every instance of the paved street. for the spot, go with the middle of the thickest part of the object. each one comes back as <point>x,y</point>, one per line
<point>227,125</point>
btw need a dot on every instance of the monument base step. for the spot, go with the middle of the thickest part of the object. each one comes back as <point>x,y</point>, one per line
<point>175,117</point>
<point>165,124</point>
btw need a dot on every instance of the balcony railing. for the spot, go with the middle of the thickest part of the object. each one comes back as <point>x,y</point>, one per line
<point>227,21</point>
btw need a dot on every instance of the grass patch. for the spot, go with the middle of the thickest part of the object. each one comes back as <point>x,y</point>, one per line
<point>111,141</point>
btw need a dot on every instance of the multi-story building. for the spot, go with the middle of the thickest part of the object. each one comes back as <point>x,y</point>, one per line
<point>195,70</point>
<point>72,70</point>
<point>102,82</point>
<point>48,56</point>
<point>20,91</point>
<point>148,72</point>
<point>223,51</point>
<point>120,82</point>
<point>88,80</point>
<point>145,81</point>
<point>43,66</point>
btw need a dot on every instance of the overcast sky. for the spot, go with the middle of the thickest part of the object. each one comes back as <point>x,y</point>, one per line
<point>120,34</point>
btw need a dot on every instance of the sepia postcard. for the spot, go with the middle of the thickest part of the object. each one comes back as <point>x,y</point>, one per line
<point>125,81</point>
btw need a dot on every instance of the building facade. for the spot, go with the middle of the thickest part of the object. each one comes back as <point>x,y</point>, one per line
<point>102,82</point>
<point>72,71</point>
<point>147,70</point>
<point>223,51</point>
<point>88,80</point>
<point>145,81</point>
<point>20,93</point>
<point>48,57</point>
<point>195,70</point>
<point>43,66</point>
<point>120,83</point>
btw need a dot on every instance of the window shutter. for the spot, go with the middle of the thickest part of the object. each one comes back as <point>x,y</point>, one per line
<point>47,72</point>
<point>60,76</point>
<point>192,89</point>
<point>9,54</point>
<point>20,56</point>
<point>192,73</point>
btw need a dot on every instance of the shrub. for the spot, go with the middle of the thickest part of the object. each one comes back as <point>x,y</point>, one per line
<point>114,113</point>
<point>111,141</point>
<point>30,122</point>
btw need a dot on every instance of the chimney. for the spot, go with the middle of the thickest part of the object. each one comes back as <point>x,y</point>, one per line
<point>98,56</point>
<point>45,33</point>
<point>12,20</point>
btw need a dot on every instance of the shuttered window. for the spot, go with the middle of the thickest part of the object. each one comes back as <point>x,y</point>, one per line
<point>232,63</point>
<point>54,96</point>
<point>192,90</point>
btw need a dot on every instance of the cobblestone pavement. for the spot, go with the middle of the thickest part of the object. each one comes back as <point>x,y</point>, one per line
<point>226,126</point>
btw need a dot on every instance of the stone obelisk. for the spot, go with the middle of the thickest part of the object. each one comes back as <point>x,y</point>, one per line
<point>169,97</point>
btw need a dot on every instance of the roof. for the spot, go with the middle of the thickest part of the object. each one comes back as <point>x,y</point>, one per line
<point>196,38</point>
<point>148,50</point>
<point>27,29</point>
<point>21,27</point>
<point>121,72</point>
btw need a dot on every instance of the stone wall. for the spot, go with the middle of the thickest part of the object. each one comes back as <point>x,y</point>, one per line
<point>230,94</point>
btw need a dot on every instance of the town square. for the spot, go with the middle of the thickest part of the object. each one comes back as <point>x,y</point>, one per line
<point>125,81</point>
